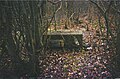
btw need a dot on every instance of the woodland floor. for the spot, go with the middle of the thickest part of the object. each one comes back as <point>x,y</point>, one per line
<point>90,63</point>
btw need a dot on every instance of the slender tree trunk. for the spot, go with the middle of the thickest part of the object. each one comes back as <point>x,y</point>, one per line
<point>118,51</point>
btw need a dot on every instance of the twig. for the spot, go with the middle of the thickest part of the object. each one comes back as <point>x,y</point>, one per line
<point>54,3</point>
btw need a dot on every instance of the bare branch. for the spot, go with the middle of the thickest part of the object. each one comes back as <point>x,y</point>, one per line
<point>109,6</point>
<point>98,6</point>
<point>59,7</point>
<point>118,11</point>
<point>54,3</point>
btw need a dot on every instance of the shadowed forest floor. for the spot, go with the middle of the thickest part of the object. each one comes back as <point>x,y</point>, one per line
<point>90,63</point>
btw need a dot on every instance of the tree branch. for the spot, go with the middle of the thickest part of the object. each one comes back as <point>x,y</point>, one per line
<point>54,3</point>
<point>98,6</point>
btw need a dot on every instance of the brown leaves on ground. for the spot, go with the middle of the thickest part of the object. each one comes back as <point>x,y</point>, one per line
<point>88,64</point>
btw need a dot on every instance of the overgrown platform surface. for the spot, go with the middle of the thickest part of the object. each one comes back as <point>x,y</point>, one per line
<point>91,63</point>
<point>65,32</point>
